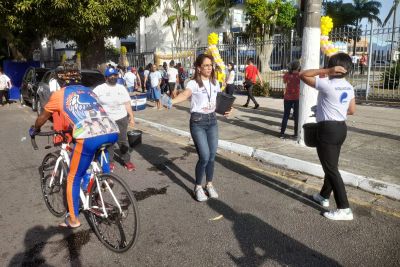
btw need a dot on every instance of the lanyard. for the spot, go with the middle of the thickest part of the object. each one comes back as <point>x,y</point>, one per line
<point>208,95</point>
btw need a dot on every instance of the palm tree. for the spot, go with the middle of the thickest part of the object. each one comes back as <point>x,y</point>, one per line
<point>365,9</point>
<point>217,11</point>
<point>178,12</point>
<point>392,12</point>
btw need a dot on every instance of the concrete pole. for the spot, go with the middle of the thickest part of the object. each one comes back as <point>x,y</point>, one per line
<point>309,60</point>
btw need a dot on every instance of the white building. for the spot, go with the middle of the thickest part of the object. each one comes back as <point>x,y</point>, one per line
<point>152,35</point>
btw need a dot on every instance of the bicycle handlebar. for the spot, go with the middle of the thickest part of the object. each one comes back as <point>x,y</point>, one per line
<point>49,133</point>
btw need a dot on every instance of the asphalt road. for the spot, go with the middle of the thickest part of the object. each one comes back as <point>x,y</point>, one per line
<point>267,221</point>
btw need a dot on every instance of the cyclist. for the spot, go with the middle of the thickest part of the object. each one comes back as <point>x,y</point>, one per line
<point>79,106</point>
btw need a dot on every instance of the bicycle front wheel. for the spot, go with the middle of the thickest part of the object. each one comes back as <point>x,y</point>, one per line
<point>54,187</point>
<point>119,229</point>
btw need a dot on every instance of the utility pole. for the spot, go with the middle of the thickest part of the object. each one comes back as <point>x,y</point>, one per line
<point>309,59</point>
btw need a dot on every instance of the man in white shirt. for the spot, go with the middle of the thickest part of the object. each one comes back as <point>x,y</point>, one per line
<point>117,103</point>
<point>5,85</point>
<point>130,80</point>
<point>155,83</point>
<point>172,79</point>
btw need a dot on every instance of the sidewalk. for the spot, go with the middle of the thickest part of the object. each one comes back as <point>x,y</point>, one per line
<point>370,157</point>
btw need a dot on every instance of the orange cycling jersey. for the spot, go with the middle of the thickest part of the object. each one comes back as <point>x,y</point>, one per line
<point>76,107</point>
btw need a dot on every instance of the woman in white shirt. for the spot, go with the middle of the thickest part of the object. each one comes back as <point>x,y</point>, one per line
<point>230,78</point>
<point>335,101</point>
<point>203,89</point>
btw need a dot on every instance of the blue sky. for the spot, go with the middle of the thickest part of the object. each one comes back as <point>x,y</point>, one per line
<point>386,5</point>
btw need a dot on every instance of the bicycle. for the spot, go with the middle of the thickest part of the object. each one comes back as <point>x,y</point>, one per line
<point>107,199</point>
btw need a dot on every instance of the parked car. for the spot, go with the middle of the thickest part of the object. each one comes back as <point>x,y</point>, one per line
<point>381,63</point>
<point>90,78</point>
<point>29,85</point>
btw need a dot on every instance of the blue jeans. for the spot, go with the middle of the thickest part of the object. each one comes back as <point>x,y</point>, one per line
<point>288,105</point>
<point>204,131</point>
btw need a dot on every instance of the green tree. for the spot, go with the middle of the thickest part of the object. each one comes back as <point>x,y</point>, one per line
<point>87,22</point>
<point>179,16</point>
<point>351,14</point>
<point>341,14</point>
<point>265,19</point>
<point>217,11</point>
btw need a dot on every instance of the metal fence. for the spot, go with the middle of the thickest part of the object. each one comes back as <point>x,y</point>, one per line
<point>379,79</point>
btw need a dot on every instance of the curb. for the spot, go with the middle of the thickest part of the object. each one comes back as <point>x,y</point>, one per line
<point>359,181</point>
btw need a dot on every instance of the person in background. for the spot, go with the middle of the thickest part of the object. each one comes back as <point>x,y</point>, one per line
<point>182,75</point>
<point>117,103</point>
<point>138,80</point>
<point>155,82</point>
<point>363,63</point>
<point>54,84</point>
<point>251,75</point>
<point>5,85</point>
<point>141,75</point>
<point>147,83</point>
<point>202,89</point>
<point>230,79</point>
<point>335,101</point>
<point>130,80</point>
<point>173,79</point>
<point>291,95</point>
<point>164,77</point>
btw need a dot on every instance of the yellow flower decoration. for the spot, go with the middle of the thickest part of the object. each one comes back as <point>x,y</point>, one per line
<point>326,25</point>
<point>327,46</point>
<point>212,38</point>
<point>123,50</point>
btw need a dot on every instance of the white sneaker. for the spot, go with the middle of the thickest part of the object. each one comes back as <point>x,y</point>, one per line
<point>212,193</point>
<point>320,200</point>
<point>339,215</point>
<point>200,194</point>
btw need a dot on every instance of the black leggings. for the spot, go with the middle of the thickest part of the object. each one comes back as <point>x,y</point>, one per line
<point>249,89</point>
<point>5,94</point>
<point>330,136</point>
<point>230,89</point>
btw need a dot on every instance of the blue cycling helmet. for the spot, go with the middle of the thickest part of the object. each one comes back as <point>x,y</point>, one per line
<point>110,71</point>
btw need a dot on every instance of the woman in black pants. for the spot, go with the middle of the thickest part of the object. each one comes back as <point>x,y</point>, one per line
<point>335,101</point>
<point>230,79</point>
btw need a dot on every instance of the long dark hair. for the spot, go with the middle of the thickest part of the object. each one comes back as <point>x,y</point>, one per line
<point>197,64</point>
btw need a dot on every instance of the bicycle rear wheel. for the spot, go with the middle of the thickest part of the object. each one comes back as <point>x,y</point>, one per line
<point>120,230</point>
<point>54,190</point>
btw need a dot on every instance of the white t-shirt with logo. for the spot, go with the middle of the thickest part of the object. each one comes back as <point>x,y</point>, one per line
<point>113,99</point>
<point>333,99</point>
<point>203,98</point>
<point>130,79</point>
<point>4,80</point>
<point>172,73</point>
<point>154,77</point>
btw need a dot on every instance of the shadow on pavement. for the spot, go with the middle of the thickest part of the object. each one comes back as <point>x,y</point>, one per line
<point>157,157</point>
<point>378,134</point>
<point>262,111</point>
<point>272,183</point>
<point>37,238</point>
<point>268,122</point>
<point>263,245</point>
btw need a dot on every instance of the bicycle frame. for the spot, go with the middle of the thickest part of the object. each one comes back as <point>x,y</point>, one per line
<point>96,169</point>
